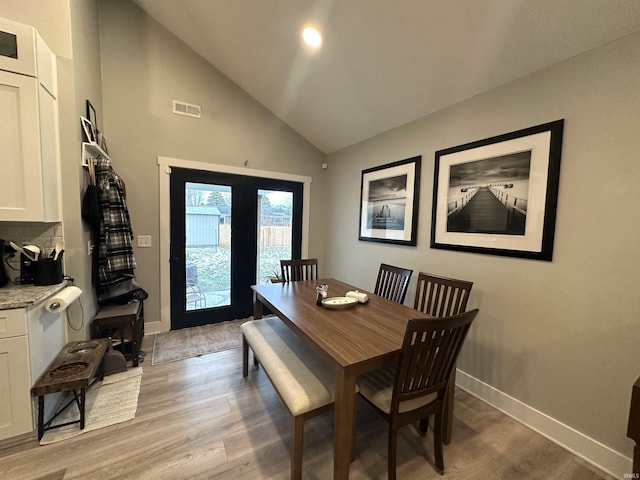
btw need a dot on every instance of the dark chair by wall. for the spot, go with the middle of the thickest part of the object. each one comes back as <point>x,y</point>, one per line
<point>441,296</point>
<point>300,269</point>
<point>392,282</point>
<point>417,386</point>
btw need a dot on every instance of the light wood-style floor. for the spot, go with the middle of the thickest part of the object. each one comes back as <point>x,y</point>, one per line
<point>199,419</point>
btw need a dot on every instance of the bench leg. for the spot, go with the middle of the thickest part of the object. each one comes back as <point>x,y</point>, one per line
<point>297,440</point>
<point>245,357</point>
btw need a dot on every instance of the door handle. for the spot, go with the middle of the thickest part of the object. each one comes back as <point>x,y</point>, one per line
<point>176,253</point>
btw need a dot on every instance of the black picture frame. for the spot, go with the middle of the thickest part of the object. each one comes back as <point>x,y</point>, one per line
<point>389,198</point>
<point>515,177</point>
<point>92,117</point>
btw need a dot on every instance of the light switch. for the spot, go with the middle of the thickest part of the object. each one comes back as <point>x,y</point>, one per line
<point>144,241</point>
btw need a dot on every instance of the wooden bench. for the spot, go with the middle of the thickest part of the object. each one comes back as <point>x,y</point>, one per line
<point>304,382</point>
<point>72,370</point>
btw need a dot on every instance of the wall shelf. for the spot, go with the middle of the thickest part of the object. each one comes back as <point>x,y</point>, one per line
<point>92,150</point>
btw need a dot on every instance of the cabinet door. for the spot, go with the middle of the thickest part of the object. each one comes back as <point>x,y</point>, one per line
<point>17,47</point>
<point>15,400</point>
<point>21,198</point>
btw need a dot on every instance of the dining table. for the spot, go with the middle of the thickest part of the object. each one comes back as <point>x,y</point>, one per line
<point>353,341</point>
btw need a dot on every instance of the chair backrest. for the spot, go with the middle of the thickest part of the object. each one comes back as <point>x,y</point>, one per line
<point>301,269</point>
<point>429,353</point>
<point>392,282</point>
<point>441,296</point>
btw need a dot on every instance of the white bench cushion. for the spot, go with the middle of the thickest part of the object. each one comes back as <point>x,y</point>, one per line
<point>303,380</point>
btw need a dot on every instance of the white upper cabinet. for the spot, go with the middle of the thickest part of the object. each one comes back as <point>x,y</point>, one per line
<point>17,48</point>
<point>29,136</point>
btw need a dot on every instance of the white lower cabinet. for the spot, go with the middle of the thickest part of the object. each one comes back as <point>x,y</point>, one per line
<point>29,341</point>
<point>16,416</point>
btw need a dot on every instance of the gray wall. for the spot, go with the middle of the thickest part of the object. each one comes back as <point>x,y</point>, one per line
<point>144,68</point>
<point>562,337</point>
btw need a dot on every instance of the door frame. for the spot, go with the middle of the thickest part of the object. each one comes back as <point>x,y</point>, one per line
<point>164,170</point>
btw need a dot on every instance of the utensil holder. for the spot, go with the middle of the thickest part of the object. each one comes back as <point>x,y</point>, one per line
<point>47,271</point>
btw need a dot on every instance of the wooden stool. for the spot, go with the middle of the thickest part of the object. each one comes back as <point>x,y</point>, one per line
<point>121,322</point>
<point>72,370</point>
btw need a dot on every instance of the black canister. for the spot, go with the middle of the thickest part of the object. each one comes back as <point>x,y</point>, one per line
<point>47,271</point>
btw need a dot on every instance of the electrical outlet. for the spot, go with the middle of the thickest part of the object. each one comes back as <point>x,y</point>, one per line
<point>144,241</point>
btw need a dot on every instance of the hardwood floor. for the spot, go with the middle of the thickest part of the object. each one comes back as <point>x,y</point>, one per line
<point>199,419</point>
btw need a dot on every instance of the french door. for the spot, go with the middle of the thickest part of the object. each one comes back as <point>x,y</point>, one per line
<point>228,232</point>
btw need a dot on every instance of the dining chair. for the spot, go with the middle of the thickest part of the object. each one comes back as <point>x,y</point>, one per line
<point>300,269</point>
<point>417,385</point>
<point>392,282</point>
<point>439,297</point>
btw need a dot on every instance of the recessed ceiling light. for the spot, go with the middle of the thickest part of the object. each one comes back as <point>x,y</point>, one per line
<point>312,37</point>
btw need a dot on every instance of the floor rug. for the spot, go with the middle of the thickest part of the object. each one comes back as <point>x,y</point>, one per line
<point>195,341</point>
<point>114,400</point>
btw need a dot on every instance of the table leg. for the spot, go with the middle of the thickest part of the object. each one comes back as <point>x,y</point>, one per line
<point>257,307</point>
<point>345,411</point>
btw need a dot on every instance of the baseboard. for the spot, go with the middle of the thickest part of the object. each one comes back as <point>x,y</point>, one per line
<point>151,328</point>
<point>18,440</point>
<point>592,451</point>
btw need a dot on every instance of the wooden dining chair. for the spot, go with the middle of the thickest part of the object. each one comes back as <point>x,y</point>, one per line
<point>417,385</point>
<point>439,297</point>
<point>300,269</point>
<point>392,282</point>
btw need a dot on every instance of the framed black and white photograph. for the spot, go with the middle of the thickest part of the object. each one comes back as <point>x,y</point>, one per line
<point>389,196</point>
<point>499,195</point>
<point>88,130</point>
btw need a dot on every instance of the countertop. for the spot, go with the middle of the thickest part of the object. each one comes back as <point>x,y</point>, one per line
<point>21,296</point>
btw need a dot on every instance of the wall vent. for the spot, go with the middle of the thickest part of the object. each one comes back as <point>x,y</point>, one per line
<point>188,109</point>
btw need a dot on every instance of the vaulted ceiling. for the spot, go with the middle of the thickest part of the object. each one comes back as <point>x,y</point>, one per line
<point>384,63</point>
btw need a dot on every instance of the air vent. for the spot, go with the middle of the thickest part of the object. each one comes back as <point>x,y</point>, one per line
<point>188,109</point>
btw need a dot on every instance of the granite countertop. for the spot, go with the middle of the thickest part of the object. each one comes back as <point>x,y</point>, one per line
<point>21,296</point>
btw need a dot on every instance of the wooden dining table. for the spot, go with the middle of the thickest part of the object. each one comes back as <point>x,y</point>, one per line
<point>353,341</point>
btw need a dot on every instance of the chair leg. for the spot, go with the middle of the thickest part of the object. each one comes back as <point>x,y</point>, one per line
<point>438,442</point>
<point>297,441</point>
<point>393,450</point>
<point>448,408</point>
<point>423,428</point>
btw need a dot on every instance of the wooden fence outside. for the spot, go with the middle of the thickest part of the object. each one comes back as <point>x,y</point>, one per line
<point>270,236</point>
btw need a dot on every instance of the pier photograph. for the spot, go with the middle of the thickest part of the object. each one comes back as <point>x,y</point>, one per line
<point>490,195</point>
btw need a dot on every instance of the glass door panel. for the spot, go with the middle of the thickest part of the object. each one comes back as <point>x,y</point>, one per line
<point>207,245</point>
<point>275,217</point>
